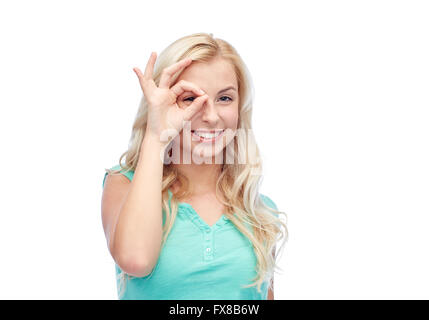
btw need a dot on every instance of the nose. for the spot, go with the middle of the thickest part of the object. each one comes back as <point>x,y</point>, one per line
<point>210,112</point>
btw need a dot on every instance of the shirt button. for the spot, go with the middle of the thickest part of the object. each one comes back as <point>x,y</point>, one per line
<point>208,230</point>
<point>208,249</point>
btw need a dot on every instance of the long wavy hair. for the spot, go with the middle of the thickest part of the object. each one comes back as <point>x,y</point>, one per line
<point>238,183</point>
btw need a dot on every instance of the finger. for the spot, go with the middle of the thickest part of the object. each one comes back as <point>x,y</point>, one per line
<point>168,72</point>
<point>139,74</point>
<point>146,85</point>
<point>140,77</point>
<point>148,72</point>
<point>184,86</point>
<point>194,107</point>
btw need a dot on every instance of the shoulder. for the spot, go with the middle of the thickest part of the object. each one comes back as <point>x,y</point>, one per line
<point>268,201</point>
<point>127,173</point>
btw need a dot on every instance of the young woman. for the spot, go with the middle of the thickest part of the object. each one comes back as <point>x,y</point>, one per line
<point>183,216</point>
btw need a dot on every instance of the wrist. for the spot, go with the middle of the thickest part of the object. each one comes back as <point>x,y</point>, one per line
<point>153,139</point>
<point>152,146</point>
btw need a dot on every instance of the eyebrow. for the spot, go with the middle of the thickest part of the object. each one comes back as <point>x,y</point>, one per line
<point>227,88</point>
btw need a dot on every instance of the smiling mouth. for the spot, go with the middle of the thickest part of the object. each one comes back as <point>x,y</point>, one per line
<point>207,136</point>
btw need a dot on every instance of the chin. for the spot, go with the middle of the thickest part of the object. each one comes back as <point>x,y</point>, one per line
<point>202,153</point>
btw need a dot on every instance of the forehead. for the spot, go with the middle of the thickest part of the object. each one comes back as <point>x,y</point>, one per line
<point>213,75</point>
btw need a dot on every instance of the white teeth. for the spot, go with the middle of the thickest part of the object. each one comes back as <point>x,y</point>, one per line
<point>208,135</point>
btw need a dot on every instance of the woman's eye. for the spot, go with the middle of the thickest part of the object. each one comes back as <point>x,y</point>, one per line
<point>226,97</point>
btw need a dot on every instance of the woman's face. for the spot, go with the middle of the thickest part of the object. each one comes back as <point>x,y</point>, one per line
<point>218,113</point>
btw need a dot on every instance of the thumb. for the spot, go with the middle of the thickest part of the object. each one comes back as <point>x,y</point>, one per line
<point>194,107</point>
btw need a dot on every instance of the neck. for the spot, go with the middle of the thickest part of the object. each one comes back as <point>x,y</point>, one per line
<point>202,177</point>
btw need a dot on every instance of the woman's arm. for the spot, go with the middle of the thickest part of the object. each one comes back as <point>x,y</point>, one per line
<point>135,236</point>
<point>271,291</point>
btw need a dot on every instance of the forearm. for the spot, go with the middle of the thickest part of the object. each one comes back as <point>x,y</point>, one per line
<point>138,230</point>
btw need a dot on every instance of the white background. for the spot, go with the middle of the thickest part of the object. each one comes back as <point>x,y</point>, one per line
<point>341,117</point>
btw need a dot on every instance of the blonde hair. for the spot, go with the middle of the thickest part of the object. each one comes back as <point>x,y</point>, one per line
<point>238,183</point>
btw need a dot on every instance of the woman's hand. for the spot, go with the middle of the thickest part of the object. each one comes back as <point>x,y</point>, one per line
<point>163,112</point>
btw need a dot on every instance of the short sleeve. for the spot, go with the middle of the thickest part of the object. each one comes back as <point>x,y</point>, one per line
<point>129,174</point>
<point>269,202</point>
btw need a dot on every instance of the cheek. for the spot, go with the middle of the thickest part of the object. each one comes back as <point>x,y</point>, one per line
<point>230,117</point>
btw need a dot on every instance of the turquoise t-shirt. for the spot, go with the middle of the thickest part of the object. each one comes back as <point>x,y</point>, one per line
<point>199,261</point>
